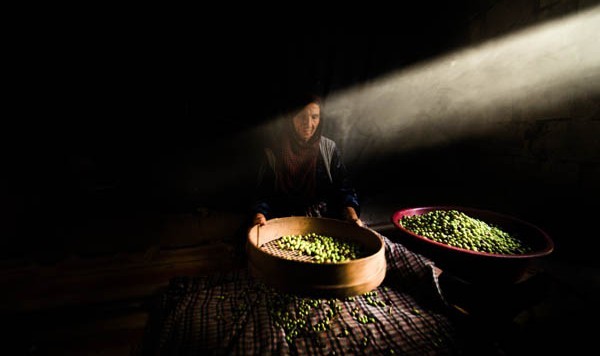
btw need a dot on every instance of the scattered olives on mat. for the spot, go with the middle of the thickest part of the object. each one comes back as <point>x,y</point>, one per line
<point>455,228</point>
<point>304,316</point>
<point>320,248</point>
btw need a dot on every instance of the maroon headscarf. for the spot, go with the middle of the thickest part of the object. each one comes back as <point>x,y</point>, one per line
<point>298,159</point>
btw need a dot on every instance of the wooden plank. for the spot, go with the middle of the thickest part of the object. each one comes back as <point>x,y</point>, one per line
<point>102,330</point>
<point>102,280</point>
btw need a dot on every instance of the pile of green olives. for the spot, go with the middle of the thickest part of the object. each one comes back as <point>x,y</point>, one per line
<point>455,228</point>
<point>322,249</point>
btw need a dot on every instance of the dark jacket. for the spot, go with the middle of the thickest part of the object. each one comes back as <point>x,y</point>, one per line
<point>334,189</point>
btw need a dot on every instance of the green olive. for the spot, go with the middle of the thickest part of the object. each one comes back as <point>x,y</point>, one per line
<point>455,228</point>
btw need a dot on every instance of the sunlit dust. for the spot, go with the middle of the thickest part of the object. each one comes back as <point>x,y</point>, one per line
<point>516,77</point>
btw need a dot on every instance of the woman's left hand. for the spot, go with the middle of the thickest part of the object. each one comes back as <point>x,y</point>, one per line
<point>358,222</point>
<point>351,215</point>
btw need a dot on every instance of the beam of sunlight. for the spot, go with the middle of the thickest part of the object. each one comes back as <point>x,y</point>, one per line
<point>474,89</point>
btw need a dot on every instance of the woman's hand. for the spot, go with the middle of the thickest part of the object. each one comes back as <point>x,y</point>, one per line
<point>351,215</point>
<point>259,219</point>
<point>358,222</point>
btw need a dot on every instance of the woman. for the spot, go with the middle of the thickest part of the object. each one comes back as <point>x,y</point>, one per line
<point>303,174</point>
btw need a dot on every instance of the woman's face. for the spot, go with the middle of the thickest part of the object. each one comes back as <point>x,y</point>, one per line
<point>307,121</point>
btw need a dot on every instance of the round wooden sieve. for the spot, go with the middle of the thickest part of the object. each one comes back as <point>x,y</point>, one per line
<point>292,273</point>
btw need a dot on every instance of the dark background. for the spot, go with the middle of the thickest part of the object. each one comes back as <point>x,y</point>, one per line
<point>113,99</point>
<point>127,113</point>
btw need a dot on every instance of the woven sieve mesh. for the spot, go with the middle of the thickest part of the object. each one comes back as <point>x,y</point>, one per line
<point>272,248</point>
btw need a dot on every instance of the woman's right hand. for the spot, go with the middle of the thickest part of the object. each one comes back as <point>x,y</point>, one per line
<point>259,219</point>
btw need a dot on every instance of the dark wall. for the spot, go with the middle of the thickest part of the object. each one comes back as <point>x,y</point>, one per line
<point>136,115</point>
<point>112,101</point>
